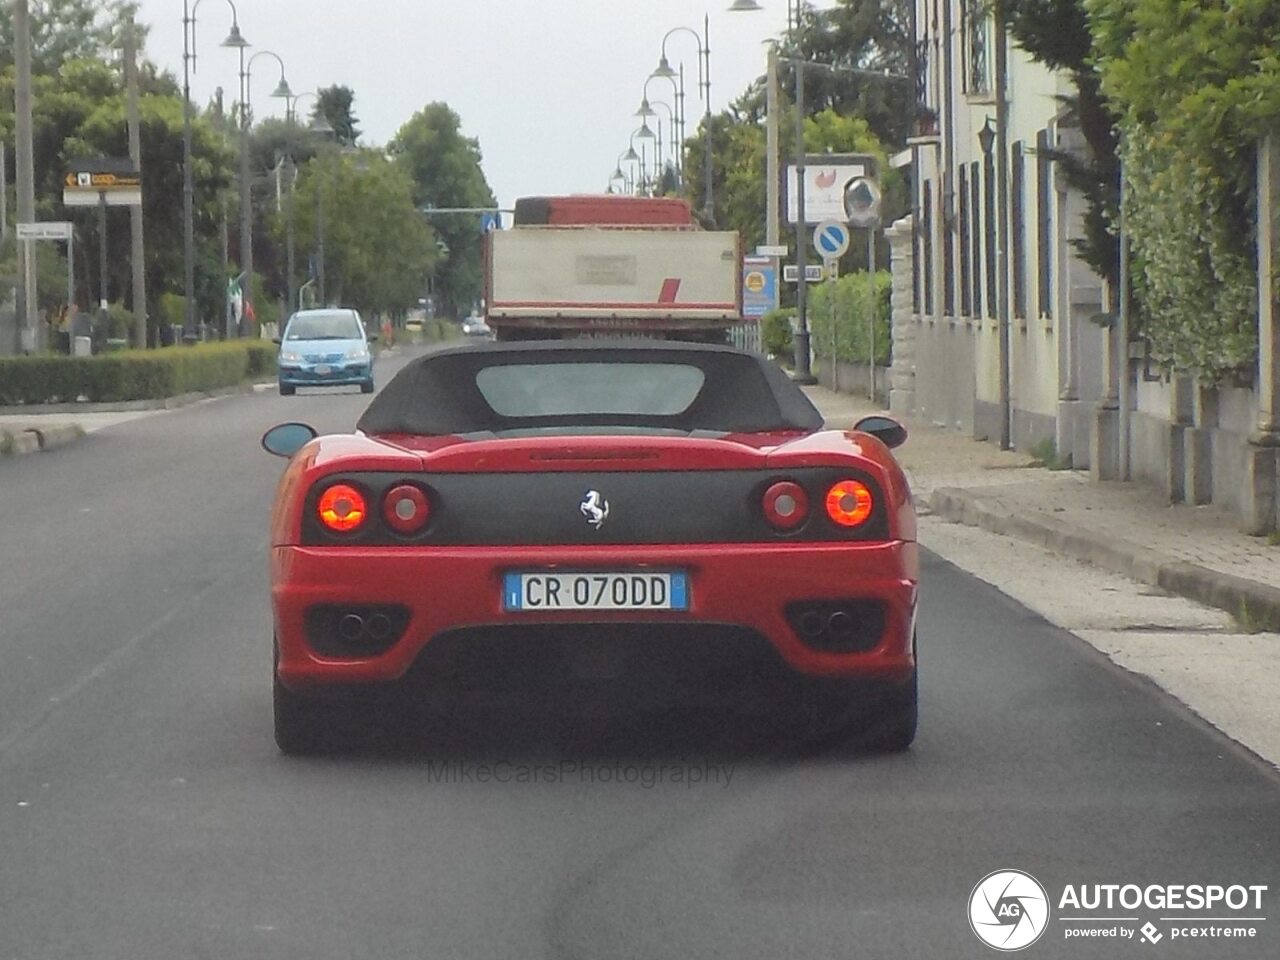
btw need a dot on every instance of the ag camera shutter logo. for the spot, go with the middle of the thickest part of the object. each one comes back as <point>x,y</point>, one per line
<point>1008,910</point>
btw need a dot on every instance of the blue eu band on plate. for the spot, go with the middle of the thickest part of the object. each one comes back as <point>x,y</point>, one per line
<point>544,590</point>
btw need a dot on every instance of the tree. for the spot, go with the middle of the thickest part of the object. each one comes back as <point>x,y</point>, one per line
<point>1056,33</point>
<point>79,112</point>
<point>337,105</point>
<point>866,35</point>
<point>64,30</point>
<point>378,249</point>
<point>445,168</point>
<point>1194,87</point>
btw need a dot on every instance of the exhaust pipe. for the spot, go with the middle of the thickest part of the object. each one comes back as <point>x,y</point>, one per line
<point>840,625</point>
<point>379,626</point>
<point>811,624</point>
<point>351,627</point>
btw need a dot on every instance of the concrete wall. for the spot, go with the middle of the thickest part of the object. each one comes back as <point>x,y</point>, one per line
<point>853,378</point>
<point>946,355</point>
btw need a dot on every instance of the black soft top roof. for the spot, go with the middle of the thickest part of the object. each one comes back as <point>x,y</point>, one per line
<point>437,394</point>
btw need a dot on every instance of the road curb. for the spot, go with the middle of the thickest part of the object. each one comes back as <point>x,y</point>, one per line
<point>1255,605</point>
<point>34,440</point>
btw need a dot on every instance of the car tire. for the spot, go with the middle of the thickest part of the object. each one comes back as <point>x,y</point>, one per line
<point>287,389</point>
<point>366,387</point>
<point>302,723</point>
<point>893,729</point>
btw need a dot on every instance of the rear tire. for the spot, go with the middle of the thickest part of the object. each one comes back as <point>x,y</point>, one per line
<point>894,727</point>
<point>366,387</point>
<point>287,389</point>
<point>302,724</point>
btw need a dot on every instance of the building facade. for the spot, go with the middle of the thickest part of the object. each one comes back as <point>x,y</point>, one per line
<point>960,258</point>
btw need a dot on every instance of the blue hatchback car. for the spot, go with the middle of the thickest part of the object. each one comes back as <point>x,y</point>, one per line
<point>325,348</point>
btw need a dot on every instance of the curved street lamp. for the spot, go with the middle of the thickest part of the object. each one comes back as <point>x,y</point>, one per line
<point>235,39</point>
<point>677,128</point>
<point>246,200</point>
<point>664,69</point>
<point>646,110</point>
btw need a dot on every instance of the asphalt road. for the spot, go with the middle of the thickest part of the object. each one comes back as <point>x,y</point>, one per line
<point>145,812</point>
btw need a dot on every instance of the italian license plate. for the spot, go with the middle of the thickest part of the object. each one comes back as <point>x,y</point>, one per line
<point>323,369</point>
<point>533,592</point>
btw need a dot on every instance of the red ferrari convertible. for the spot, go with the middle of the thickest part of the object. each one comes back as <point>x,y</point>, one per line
<point>593,509</point>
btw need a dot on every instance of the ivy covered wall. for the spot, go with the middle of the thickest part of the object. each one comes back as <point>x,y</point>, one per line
<point>1194,85</point>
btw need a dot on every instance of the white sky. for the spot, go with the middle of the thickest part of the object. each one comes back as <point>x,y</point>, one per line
<point>547,86</point>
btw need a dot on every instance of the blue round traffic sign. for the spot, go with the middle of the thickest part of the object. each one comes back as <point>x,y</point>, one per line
<point>831,239</point>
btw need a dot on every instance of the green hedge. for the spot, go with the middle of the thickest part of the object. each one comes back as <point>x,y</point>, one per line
<point>775,334</point>
<point>134,374</point>
<point>852,333</point>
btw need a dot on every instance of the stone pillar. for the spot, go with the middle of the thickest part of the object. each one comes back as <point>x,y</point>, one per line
<point>902,374</point>
<point>1261,513</point>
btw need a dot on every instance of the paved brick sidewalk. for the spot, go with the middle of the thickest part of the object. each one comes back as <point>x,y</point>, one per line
<point>1127,527</point>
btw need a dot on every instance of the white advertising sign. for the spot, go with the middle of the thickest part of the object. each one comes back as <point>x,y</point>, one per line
<point>824,186</point>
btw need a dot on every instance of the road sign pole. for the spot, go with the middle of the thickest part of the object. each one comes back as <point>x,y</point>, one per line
<point>71,273</point>
<point>831,318</point>
<point>102,261</point>
<point>871,312</point>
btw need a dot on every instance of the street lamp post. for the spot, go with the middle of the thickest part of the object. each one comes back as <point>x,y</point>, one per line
<point>321,126</point>
<point>645,111</point>
<point>236,40</point>
<point>704,80</point>
<point>645,134</point>
<point>246,187</point>
<point>630,156</point>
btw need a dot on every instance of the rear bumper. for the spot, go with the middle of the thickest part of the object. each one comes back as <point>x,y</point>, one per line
<point>446,590</point>
<point>339,375</point>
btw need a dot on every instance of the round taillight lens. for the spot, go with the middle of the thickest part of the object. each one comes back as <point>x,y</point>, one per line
<point>342,508</point>
<point>849,503</point>
<point>786,505</point>
<point>406,509</point>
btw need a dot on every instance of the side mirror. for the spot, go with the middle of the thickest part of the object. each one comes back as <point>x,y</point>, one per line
<point>888,431</point>
<point>373,338</point>
<point>276,340</point>
<point>286,439</point>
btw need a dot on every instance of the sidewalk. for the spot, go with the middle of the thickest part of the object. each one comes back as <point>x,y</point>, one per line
<point>1127,528</point>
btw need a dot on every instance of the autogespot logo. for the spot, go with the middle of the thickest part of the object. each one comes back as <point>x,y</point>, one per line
<point>1008,910</point>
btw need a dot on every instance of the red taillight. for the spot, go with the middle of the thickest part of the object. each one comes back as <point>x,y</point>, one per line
<point>342,508</point>
<point>406,509</point>
<point>849,503</point>
<point>786,505</point>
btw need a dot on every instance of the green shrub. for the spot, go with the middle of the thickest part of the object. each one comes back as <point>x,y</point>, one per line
<point>171,309</point>
<point>1193,87</point>
<point>133,374</point>
<point>846,326</point>
<point>775,333</point>
<point>262,358</point>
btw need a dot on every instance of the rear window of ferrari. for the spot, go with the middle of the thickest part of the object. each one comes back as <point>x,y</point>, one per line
<point>521,390</point>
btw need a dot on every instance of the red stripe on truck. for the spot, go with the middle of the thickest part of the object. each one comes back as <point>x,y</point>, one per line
<point>670,287</point>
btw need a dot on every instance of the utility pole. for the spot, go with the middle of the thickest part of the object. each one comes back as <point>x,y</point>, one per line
<point>290,243</point>
<point>24,161</point>
<point>135,210</point>
<point>771,186</point>
<point>804,374</point>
